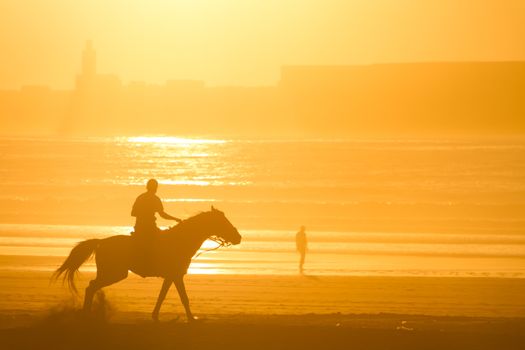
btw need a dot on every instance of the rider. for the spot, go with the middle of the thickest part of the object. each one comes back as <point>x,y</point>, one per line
<point>144,209</point>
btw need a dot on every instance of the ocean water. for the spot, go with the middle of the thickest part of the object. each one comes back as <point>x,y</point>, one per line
<point>370,207</point>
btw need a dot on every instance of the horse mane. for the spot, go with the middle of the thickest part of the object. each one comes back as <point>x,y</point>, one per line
<point>179,228</point>
<point>184,223</point>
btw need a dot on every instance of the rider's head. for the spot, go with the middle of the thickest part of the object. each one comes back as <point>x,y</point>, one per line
<point>152,185</point>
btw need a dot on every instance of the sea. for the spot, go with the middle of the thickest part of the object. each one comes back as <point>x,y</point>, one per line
<point>371,207</point>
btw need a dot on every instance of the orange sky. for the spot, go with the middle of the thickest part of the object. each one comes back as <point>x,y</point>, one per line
<point>245,42</point>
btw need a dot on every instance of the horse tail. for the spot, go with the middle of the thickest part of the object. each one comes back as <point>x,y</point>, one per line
<point>79,254</point>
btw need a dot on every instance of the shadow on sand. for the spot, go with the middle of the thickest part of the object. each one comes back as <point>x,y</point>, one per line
<point>310,277</point>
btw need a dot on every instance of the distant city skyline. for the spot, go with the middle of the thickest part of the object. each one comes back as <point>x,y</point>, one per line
<point>88,69</point>
<point>237,43</point>
<point>378,100</point>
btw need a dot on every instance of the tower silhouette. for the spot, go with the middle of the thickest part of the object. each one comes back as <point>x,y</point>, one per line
<point>88,73</point>
<point>89,60</point>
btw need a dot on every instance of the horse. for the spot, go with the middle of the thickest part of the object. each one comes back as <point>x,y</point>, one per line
<point>173,250</point>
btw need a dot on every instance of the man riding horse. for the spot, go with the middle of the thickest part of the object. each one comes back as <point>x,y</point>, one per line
<point>144,209</point>
<point>173,251</point>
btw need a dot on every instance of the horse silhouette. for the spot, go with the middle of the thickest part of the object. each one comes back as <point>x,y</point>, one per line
<point>172,251</point>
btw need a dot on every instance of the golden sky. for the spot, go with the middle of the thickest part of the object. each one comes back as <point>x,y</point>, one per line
<point>245,42</point>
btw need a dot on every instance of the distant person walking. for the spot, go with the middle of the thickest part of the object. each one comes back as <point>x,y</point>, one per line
<point>301,245</point>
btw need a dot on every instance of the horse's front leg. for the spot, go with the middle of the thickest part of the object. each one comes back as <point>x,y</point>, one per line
<point>179,283</point>
<point>162,295</point>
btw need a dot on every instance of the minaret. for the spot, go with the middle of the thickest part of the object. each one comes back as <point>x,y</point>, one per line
<point>89,61</point>
<point>87,77</point>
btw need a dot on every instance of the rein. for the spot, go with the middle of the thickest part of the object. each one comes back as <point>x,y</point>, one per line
<point>221,242</point>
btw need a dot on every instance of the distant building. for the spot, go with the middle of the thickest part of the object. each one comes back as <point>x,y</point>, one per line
<point>185,85</point>
<point>85,80</point>
<point>448,98</point>
<point>89,60</point>
<point>89,80</point>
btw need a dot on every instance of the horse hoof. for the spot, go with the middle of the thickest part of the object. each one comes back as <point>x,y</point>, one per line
<point>194,320</point>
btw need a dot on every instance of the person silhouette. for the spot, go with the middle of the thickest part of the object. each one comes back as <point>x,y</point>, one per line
<point>302,246</point>
<point>144,209</point>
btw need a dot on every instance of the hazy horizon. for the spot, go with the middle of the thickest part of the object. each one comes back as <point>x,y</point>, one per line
<point>158,41</point>
<point>255,85</point>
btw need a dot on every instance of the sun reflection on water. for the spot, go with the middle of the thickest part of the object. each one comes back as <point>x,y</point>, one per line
<point>177,161</point>
<point>172,140</point>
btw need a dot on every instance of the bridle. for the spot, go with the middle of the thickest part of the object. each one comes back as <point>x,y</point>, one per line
<point>221,242</point>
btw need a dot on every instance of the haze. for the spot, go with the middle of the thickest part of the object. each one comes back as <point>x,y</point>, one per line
<point>224,42</point>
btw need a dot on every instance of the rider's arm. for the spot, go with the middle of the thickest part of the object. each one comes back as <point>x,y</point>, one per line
<point>163,214</point>
<point>167,216</point>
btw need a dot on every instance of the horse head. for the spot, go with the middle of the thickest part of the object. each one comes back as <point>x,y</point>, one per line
<point>221,229</point>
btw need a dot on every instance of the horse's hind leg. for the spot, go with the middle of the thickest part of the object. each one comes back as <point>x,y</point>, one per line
<point>101,281</point>
<point>90,292</point>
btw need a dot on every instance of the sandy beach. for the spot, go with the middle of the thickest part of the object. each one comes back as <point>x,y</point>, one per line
<point>33,292</point>
<point>259,332</point>
<point>267,312</point>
